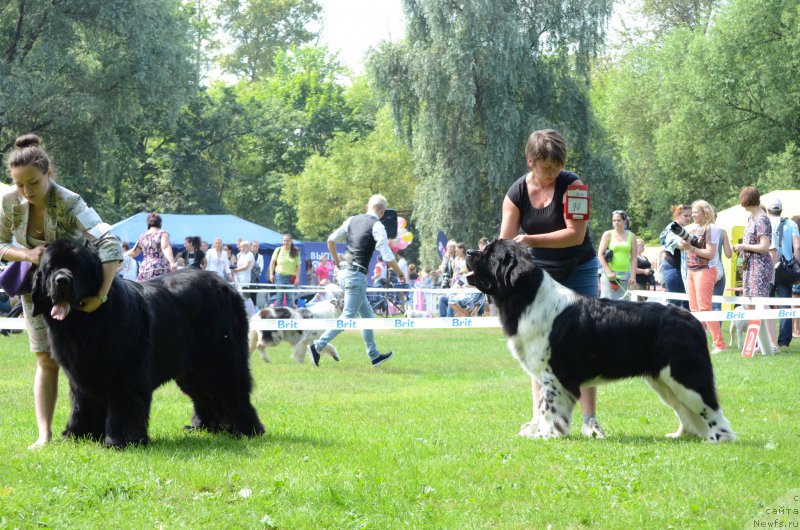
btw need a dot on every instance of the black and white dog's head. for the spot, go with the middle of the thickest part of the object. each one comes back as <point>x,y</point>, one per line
<point>66,274</point>
<point>502,269</point>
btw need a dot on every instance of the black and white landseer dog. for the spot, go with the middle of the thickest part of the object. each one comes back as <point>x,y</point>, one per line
<point>566,341</point>
<point>189,326</point>
<point>298,339</point>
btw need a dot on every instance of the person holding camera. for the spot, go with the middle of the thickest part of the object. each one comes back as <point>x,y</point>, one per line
<point>617,257</point>
<point>671,253</point>
<point>364,234</point>
<point>701,252</point>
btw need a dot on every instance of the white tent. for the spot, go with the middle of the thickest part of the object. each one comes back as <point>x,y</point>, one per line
<point>737,216</point>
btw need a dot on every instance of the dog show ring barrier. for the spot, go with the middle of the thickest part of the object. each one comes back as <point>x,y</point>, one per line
<point>488,321</point>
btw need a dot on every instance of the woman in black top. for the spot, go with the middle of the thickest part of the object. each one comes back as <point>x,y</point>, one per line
<point>193,256</point>
<point>535,204</point>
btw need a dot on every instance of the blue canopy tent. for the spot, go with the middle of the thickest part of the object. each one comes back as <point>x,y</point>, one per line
<point>208,227</point>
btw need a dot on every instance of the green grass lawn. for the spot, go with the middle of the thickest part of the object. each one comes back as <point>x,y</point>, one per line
<point>427,440</point>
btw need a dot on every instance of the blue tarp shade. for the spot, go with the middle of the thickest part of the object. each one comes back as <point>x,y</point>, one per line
<point>208,227</point>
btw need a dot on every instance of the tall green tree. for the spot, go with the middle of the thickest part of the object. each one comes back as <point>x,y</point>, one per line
<point>84,74</point>
<point>699,114</point>
<point>479,76</point>
<point>355,167</point>
<point>297,109</point>
<point>261,28</point>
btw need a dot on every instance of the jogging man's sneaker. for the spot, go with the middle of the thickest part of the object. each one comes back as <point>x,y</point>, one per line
<point>314,354</point>
<point>592,429</point>
<point>380,359</point>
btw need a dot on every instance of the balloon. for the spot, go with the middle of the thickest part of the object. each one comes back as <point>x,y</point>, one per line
<point>401,222</point>
<point>393,244</point>
<point>408,237</point>
<point>401,244</point>
<point>400,232</point>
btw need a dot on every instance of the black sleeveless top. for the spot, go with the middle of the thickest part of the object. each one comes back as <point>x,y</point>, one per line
<point>360,241</point>
<point>549,219</point>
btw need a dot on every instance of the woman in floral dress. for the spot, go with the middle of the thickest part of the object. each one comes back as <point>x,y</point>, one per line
<point>757,261</point>
<point>158,258</point>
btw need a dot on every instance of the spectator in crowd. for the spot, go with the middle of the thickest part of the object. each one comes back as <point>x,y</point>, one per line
<point>757,269</point>
<point>796,293</point>
<point>310,272</point>
<point>329,292</point>
<point>671,254</point>
<point>258,298</point>
<point>233,259</point>
<point>324,270</point>
<point>463,304</point>
<point>218,259</point>
<point>154,243</point>
<point>192,255</point>
<point>535,204</point>
<point>39,212</point>
<point>129,270</point>
<point>702,275</point>
<point>259,265</point>
<point>204,247</point>
<point>446,272</point>
<point>363,234</point>
<point>724,248</point>
<point>244,263</point>
<point>644,269</point>
<point>284,270</point>
<point>619,266</point>
<point>379,273</point>
<point>402,296</point>
<point>786,242</point>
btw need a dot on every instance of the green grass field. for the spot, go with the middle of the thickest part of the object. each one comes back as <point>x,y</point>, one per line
<point>429,440</point>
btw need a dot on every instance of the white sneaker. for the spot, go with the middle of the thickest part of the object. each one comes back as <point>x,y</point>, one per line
<point>717,350</point>
<point>592,429</point>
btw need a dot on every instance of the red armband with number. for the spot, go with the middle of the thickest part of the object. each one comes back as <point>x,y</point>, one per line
<point>576,202</point>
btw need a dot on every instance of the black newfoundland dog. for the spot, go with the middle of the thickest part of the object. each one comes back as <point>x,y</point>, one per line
<point>189,326</point>
<point>566,341</point>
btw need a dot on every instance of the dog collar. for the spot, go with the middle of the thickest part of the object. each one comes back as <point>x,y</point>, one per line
<point>103,298</point>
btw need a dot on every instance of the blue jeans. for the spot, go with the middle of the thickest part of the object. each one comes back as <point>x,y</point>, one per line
<point>719,289</point>
<point>284,281</point>
<point>785,327</point>
<point>444,308</point>
<point>674,283</point>
<point>583,278</point>
<point>354,285</point>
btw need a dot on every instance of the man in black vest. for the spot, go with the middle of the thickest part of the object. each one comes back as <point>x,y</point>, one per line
<point>364,234</point>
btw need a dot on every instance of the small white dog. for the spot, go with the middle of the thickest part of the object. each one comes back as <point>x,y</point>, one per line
<point>299,339</point>
<point>739,327</point>
<point>416,313</point>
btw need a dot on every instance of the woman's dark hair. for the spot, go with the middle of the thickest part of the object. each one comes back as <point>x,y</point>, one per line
<point>294,251</point>
<point>28,152</point>
<point>546,144</point>
<point>621,213</point>
<point>195,241</point>
<point>749,196</point>
<point>154,220</point>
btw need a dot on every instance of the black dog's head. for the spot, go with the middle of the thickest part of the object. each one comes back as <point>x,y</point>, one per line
<point>502,269</point>
<point>67,273</point>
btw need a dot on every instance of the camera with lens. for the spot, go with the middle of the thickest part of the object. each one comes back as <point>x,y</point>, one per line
<point>679,231</point>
